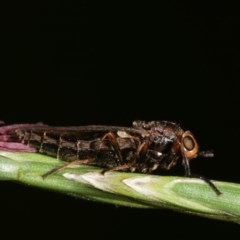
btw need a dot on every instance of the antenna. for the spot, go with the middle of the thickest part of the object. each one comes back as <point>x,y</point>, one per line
<point>206,154</point>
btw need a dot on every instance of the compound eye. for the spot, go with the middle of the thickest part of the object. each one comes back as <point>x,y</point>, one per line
<point>189,144</point>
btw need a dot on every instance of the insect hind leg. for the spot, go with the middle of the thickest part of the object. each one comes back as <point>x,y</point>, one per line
<point>66,165</point>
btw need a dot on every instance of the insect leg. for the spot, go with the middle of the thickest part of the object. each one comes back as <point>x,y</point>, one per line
<point>141,151</point>
<point>186,166</point>
<point>189,174</point>
<point>114,144</point>
<point>209,182</point>
<point>117,168</point>
<point>61,167</point>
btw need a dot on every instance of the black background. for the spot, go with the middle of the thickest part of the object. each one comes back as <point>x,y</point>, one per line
<point>85,63</point>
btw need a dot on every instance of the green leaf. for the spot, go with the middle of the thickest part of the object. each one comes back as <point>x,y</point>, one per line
<point>188,195</point>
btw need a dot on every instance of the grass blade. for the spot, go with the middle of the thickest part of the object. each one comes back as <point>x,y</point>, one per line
<point>188,195</point>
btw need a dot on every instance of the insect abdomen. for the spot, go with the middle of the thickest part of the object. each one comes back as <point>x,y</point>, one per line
<point>70,147</point>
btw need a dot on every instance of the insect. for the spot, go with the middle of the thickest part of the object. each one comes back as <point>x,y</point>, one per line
<point>144,147</point>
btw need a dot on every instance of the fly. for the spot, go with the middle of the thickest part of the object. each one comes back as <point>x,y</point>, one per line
<point>143,148</point>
